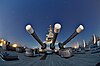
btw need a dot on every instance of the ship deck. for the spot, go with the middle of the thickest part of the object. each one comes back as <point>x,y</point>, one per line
<point>54,60</point>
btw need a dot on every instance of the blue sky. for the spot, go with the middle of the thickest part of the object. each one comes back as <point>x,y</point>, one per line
<point>16,14</point>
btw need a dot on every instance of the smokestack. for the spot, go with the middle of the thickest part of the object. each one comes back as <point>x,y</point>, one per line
<point>77,31</point>
<point>57,28</point>
<point>32,32</point>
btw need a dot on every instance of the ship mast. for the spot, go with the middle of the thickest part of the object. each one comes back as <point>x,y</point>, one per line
<point>49,36</point>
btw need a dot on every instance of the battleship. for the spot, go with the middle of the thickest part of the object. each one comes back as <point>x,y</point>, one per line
<point>63,52</point>
<point>48,54</point>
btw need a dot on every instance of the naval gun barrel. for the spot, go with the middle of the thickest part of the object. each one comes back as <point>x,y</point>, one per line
<point>31,31</point>
<point>77,31</point>
<point>57,28</point>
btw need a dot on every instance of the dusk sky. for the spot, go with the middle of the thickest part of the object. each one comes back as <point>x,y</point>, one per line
<point>16,14</point>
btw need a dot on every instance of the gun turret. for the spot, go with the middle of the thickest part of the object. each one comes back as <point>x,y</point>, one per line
<point>57,28</point>
<point>77,31</point>
<point>32,32</point>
